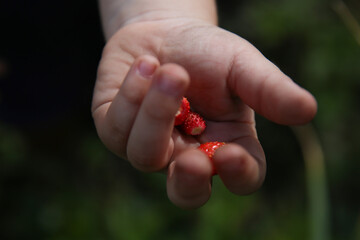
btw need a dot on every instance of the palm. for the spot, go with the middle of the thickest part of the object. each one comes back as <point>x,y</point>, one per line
<point>206,54</point>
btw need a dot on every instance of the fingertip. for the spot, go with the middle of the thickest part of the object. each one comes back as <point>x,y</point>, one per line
<point>308,108</point>
<point>195,164</point>
<point>299,108</point>
<point>224,160</point>
<point>172,79</point>
<point>238,170</point>
<point>189,180</point>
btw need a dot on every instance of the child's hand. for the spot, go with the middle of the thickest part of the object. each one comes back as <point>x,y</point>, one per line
<point>145,70</point>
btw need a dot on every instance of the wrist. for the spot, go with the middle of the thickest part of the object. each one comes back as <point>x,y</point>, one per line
<point>116,14</point>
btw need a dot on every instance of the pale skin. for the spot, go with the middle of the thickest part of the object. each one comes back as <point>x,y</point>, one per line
<point>160,50</point>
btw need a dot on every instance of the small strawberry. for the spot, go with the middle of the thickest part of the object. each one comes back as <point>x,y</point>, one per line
<point>194,124</point>
<point>209,149</point>
<point>183,112</point>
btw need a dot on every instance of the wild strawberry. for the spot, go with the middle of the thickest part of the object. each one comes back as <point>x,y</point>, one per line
<point>209,149</point>
<point>183,112</point>
<point>194,124</point>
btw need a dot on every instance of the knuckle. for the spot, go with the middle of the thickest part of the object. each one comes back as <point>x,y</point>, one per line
<point>133,96</point>
<point>143,163</point>
<point>164,111</point>
<point>146,161</point>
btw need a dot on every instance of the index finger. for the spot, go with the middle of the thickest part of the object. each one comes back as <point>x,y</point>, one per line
<point>150,146</point>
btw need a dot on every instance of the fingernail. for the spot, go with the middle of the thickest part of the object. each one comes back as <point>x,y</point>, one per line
<point>146,67</point>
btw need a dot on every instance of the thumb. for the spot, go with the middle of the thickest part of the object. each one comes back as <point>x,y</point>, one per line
<point>262,86</point>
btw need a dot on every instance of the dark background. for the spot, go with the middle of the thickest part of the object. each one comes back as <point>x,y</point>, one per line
<point>57,181</point>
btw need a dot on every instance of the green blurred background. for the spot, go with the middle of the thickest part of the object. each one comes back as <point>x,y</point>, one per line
<point>58,182</point>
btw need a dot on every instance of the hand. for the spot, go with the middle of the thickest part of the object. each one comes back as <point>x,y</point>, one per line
<point>145,70</point>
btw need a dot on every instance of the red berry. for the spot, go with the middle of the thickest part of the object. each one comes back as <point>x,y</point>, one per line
<point>194,124</point>
<point>183,112</point>
<point>209,149</point>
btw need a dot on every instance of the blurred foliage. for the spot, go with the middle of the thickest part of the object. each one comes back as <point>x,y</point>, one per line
<point>58,181</point>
